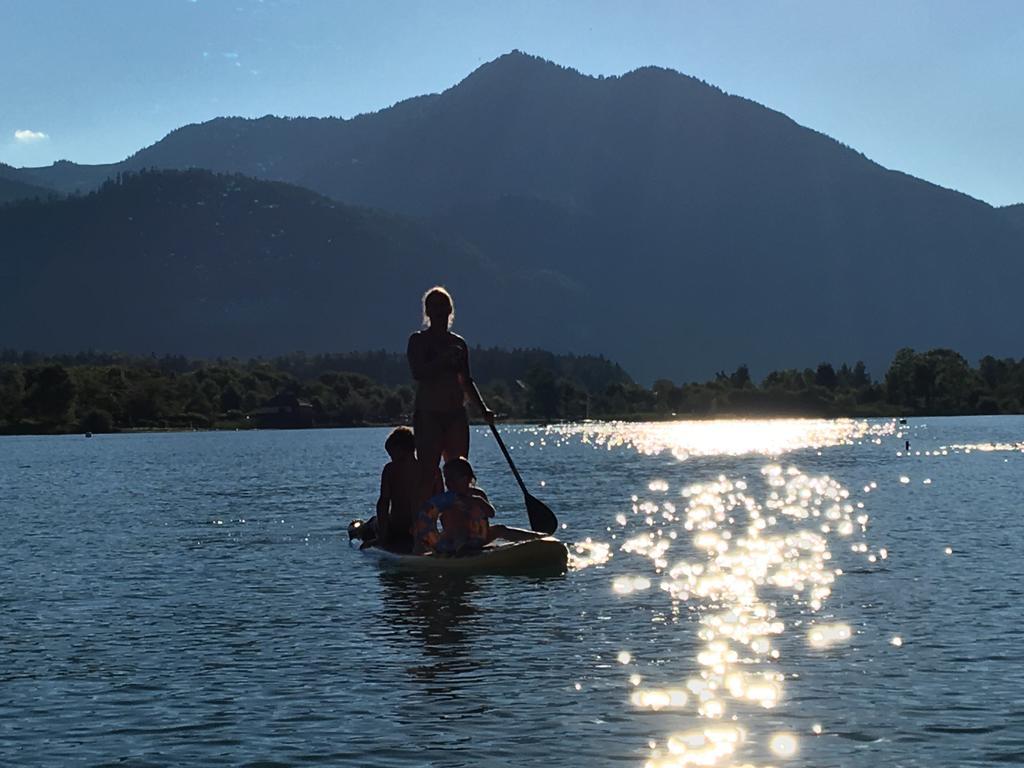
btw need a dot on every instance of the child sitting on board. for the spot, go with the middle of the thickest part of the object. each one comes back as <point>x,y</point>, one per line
<point>392,526</point>
<point>397,504</point>
<point>464,513</point>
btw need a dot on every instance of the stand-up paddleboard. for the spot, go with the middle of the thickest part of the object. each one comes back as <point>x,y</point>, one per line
<point>536,557</point>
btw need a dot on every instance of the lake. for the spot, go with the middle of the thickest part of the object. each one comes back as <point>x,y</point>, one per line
<point>787,593</point>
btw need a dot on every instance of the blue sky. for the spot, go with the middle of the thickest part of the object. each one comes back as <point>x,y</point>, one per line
<point>933,88</point>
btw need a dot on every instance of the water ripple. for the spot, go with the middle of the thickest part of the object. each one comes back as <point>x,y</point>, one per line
<point>191,600</point>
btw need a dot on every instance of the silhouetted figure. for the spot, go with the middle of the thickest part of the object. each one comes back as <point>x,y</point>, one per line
<point>439,361</point>
<point>399,492</point>
<point>908,446</point>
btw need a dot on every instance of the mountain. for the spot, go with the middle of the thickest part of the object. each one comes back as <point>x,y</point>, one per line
<point>681,229</point>
<point>13,187</point>
<point>1014,214</point>
<point>202,264</point>
<point>72,178</point>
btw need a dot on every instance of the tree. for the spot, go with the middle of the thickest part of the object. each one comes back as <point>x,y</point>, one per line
<point>543,393</point>
<point>939,381</point>
<point>230,398</point>
<point>668,396</point>
<point>571,399</point>
<point>860,378</point>
<point>826,376</point>
<point>145,402</point>
<point>954,386</point>
<point>51,395</point>
<point>12,392</point>
<point>845,376</point>
<point>993,372</point>
<point>900,386</point>
<point>790,380</point>
<point>740,378</point>
<point>393,406</point>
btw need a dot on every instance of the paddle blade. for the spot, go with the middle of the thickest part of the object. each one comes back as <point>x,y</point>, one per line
<point>542,519</point>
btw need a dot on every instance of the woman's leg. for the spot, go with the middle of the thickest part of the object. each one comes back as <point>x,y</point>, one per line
<point>429,435</point>
<point>456,436</point>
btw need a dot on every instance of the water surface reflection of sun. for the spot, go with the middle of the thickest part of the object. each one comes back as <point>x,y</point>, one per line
<point>746,556</point>
<point>732,437</point>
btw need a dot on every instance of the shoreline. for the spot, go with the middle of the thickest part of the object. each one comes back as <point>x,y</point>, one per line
<point>628,418</point>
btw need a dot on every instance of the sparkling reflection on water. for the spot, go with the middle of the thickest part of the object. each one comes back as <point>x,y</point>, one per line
<point>728,437</point>
<point>753,571</point>
<point>750,570</point>
<point>800,593</point>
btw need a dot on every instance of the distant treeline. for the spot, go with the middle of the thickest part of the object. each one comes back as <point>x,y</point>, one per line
<point>939,382</point>
<point>99,392</point>
<point>109,392</point>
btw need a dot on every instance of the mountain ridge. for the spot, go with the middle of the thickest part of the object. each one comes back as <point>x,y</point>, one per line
<point>13,187</point>
<point>515,62</point>
<point>697,212</point>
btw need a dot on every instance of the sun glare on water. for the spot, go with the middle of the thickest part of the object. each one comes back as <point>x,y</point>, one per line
<point>736,437</point>
<point>746,562</point>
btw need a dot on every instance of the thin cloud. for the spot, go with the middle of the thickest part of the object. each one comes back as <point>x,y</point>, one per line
<point>29,137</point>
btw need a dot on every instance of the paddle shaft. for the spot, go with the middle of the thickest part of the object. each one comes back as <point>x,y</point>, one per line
<point>542,519</point>
<point>508,458</point>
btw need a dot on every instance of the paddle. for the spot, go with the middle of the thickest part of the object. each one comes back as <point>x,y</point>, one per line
<point>542,519</point>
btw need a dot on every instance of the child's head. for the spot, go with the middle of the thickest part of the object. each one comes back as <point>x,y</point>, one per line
<point>400,443</point>
<point>438,303</point>
<point>458,475</point>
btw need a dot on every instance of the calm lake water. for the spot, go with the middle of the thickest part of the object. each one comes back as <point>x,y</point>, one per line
<point>744,593</point>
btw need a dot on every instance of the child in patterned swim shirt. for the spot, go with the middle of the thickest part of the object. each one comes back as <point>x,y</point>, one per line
<point>464,513</point>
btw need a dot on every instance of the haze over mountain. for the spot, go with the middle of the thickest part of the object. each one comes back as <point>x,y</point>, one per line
<point>673,227</point>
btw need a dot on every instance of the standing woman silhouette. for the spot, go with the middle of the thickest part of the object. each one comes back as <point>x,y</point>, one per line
<point>439,361</point>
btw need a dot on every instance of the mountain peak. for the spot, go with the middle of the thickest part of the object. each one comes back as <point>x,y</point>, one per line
<point>522,60</point>
<point>516,66</point>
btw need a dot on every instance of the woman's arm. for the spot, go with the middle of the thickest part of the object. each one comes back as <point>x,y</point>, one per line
<point>470,387</point>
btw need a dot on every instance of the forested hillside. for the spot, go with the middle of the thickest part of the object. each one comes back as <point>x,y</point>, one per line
<point>200,264</point>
